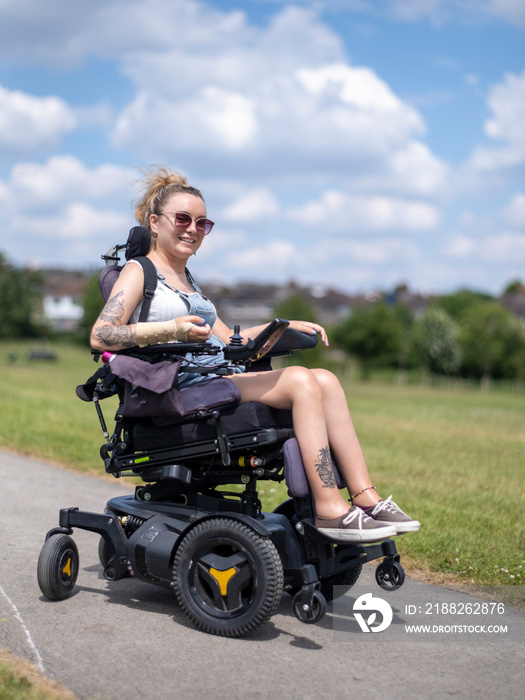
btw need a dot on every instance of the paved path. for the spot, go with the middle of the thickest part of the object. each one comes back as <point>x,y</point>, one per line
<point>127,639</point>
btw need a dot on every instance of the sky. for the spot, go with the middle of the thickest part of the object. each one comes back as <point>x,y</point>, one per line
<point>351,144</point>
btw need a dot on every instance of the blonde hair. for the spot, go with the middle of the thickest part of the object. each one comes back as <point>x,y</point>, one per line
<point>158,185</point>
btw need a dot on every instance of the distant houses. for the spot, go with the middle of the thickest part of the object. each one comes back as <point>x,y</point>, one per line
<point>63,292</point>
<point>245,303</point>
<point>515,302</point>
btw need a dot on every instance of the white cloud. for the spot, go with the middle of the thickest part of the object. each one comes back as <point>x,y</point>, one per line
<point>29,123</point>
<point>215,90</point>
<point>511,10</point>
<point>462,247</point>
<point>353,213</point>
<point>373,252</point>
<point>514,211</point>
<point>285,100</point>
<point>440,11</point>
<point>215,120</point>
<point>256,205</point>
<point>506,127</point>
<point>498,248</point>
<point>271,259</point>
<point>62,212</point>
<point>411,170</point>
<point>77,220</point>
<point>62,179</point>
<point>76,235</point>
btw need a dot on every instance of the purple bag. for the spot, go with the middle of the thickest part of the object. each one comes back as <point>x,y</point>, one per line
<point>151,390</point>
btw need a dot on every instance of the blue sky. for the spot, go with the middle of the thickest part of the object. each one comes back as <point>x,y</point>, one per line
<point>355,144</point>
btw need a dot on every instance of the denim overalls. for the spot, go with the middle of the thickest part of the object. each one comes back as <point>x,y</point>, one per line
<point>199,305</point>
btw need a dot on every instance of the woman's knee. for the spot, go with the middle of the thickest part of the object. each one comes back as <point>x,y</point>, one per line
<point>302,380</point>
<point>326,379</point>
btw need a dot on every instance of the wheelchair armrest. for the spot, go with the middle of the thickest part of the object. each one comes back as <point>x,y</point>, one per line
<point>173,349</point>
<point>166,349</point>
<point>293,340</point>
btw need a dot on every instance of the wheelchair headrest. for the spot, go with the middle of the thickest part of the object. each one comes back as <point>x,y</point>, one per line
<point>138,243</point>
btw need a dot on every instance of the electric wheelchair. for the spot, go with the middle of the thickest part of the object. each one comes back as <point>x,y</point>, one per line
<point>227,561</point>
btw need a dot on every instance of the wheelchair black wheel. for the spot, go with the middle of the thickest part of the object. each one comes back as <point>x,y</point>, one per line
<point>393,580</point>
<point>312,613</point>
<point>227,578</point>
<point>57,568</point>
<point>344,580</point>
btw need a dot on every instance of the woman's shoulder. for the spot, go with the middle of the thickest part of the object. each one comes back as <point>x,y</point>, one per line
<point>141,263</point>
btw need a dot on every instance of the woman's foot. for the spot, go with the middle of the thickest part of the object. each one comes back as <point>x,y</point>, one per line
<point>389,513</point>
<point>355,526</point>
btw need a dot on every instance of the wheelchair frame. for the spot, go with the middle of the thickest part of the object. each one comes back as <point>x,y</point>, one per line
<point>227,560</point>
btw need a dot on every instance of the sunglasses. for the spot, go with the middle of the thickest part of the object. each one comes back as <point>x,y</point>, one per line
<point>183,220</point>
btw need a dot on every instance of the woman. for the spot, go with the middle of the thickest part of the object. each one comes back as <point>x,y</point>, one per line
<point>176,215</point>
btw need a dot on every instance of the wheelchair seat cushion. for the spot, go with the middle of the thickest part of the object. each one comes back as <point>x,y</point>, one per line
<point>244,418</point>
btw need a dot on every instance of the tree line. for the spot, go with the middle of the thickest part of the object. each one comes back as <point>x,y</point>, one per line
<point>465,334</point>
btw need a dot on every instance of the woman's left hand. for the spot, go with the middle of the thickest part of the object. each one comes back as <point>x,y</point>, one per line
<point>311,328</point>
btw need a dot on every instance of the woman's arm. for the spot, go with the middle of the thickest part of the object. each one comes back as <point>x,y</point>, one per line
<point>112,331</point>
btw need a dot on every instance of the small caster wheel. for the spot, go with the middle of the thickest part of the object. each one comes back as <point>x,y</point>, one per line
<point>309,614</point>
<point>57,568</point>
<point>395,579</point>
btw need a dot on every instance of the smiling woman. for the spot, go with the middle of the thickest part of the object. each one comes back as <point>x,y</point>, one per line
<point>176,216</point>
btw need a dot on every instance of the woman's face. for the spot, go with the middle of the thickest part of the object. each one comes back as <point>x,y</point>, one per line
<point>175,240</point>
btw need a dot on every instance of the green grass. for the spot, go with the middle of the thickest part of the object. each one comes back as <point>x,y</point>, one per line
<point>41,414</point>
<point>16,687</point>
<point>19,680</point>
<point>453,458</point>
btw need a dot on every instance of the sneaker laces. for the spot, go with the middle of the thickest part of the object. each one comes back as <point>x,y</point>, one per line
<point>387,504</point>
<point>354,513</point>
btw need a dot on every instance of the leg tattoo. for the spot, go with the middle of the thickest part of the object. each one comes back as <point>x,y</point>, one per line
<point>325,469</point>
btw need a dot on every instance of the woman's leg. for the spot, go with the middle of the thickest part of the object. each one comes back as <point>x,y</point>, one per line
<point>297,389</point>
<point>350,460</point>
<point>343,440</point>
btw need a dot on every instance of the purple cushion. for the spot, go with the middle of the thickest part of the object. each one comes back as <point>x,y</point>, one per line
<point>294,473</point>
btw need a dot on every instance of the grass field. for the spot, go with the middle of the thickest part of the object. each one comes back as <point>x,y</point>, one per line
<point>455,459</point>
<point>21,680</point>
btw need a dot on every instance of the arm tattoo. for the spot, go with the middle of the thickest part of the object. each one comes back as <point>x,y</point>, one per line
<point>114,310</point>
<point>110,336</point>
<point>115,333</point>
<point>325,469</point>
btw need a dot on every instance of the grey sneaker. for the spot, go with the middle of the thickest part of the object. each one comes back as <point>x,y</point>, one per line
<point>355,526</point>
<point>390,513</point>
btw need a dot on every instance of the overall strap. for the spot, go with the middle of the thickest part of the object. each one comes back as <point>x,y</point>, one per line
<point>190,279</point>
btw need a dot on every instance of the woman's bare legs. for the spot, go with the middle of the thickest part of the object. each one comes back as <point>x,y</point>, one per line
<point>321,422</point>
<point>343,440</point>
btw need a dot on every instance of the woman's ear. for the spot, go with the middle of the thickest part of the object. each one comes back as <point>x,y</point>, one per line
<point>153,223</point>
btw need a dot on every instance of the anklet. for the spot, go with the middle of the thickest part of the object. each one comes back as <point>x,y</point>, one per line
<point>368,488</point>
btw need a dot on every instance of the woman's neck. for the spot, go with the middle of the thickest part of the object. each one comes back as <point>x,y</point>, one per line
<point>174,272</point>
<point>168,266</point>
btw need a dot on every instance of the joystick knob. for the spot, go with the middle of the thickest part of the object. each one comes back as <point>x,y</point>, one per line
<point>236,339</point>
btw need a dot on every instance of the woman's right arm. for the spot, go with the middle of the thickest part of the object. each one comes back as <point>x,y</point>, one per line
<point>111,330</point>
